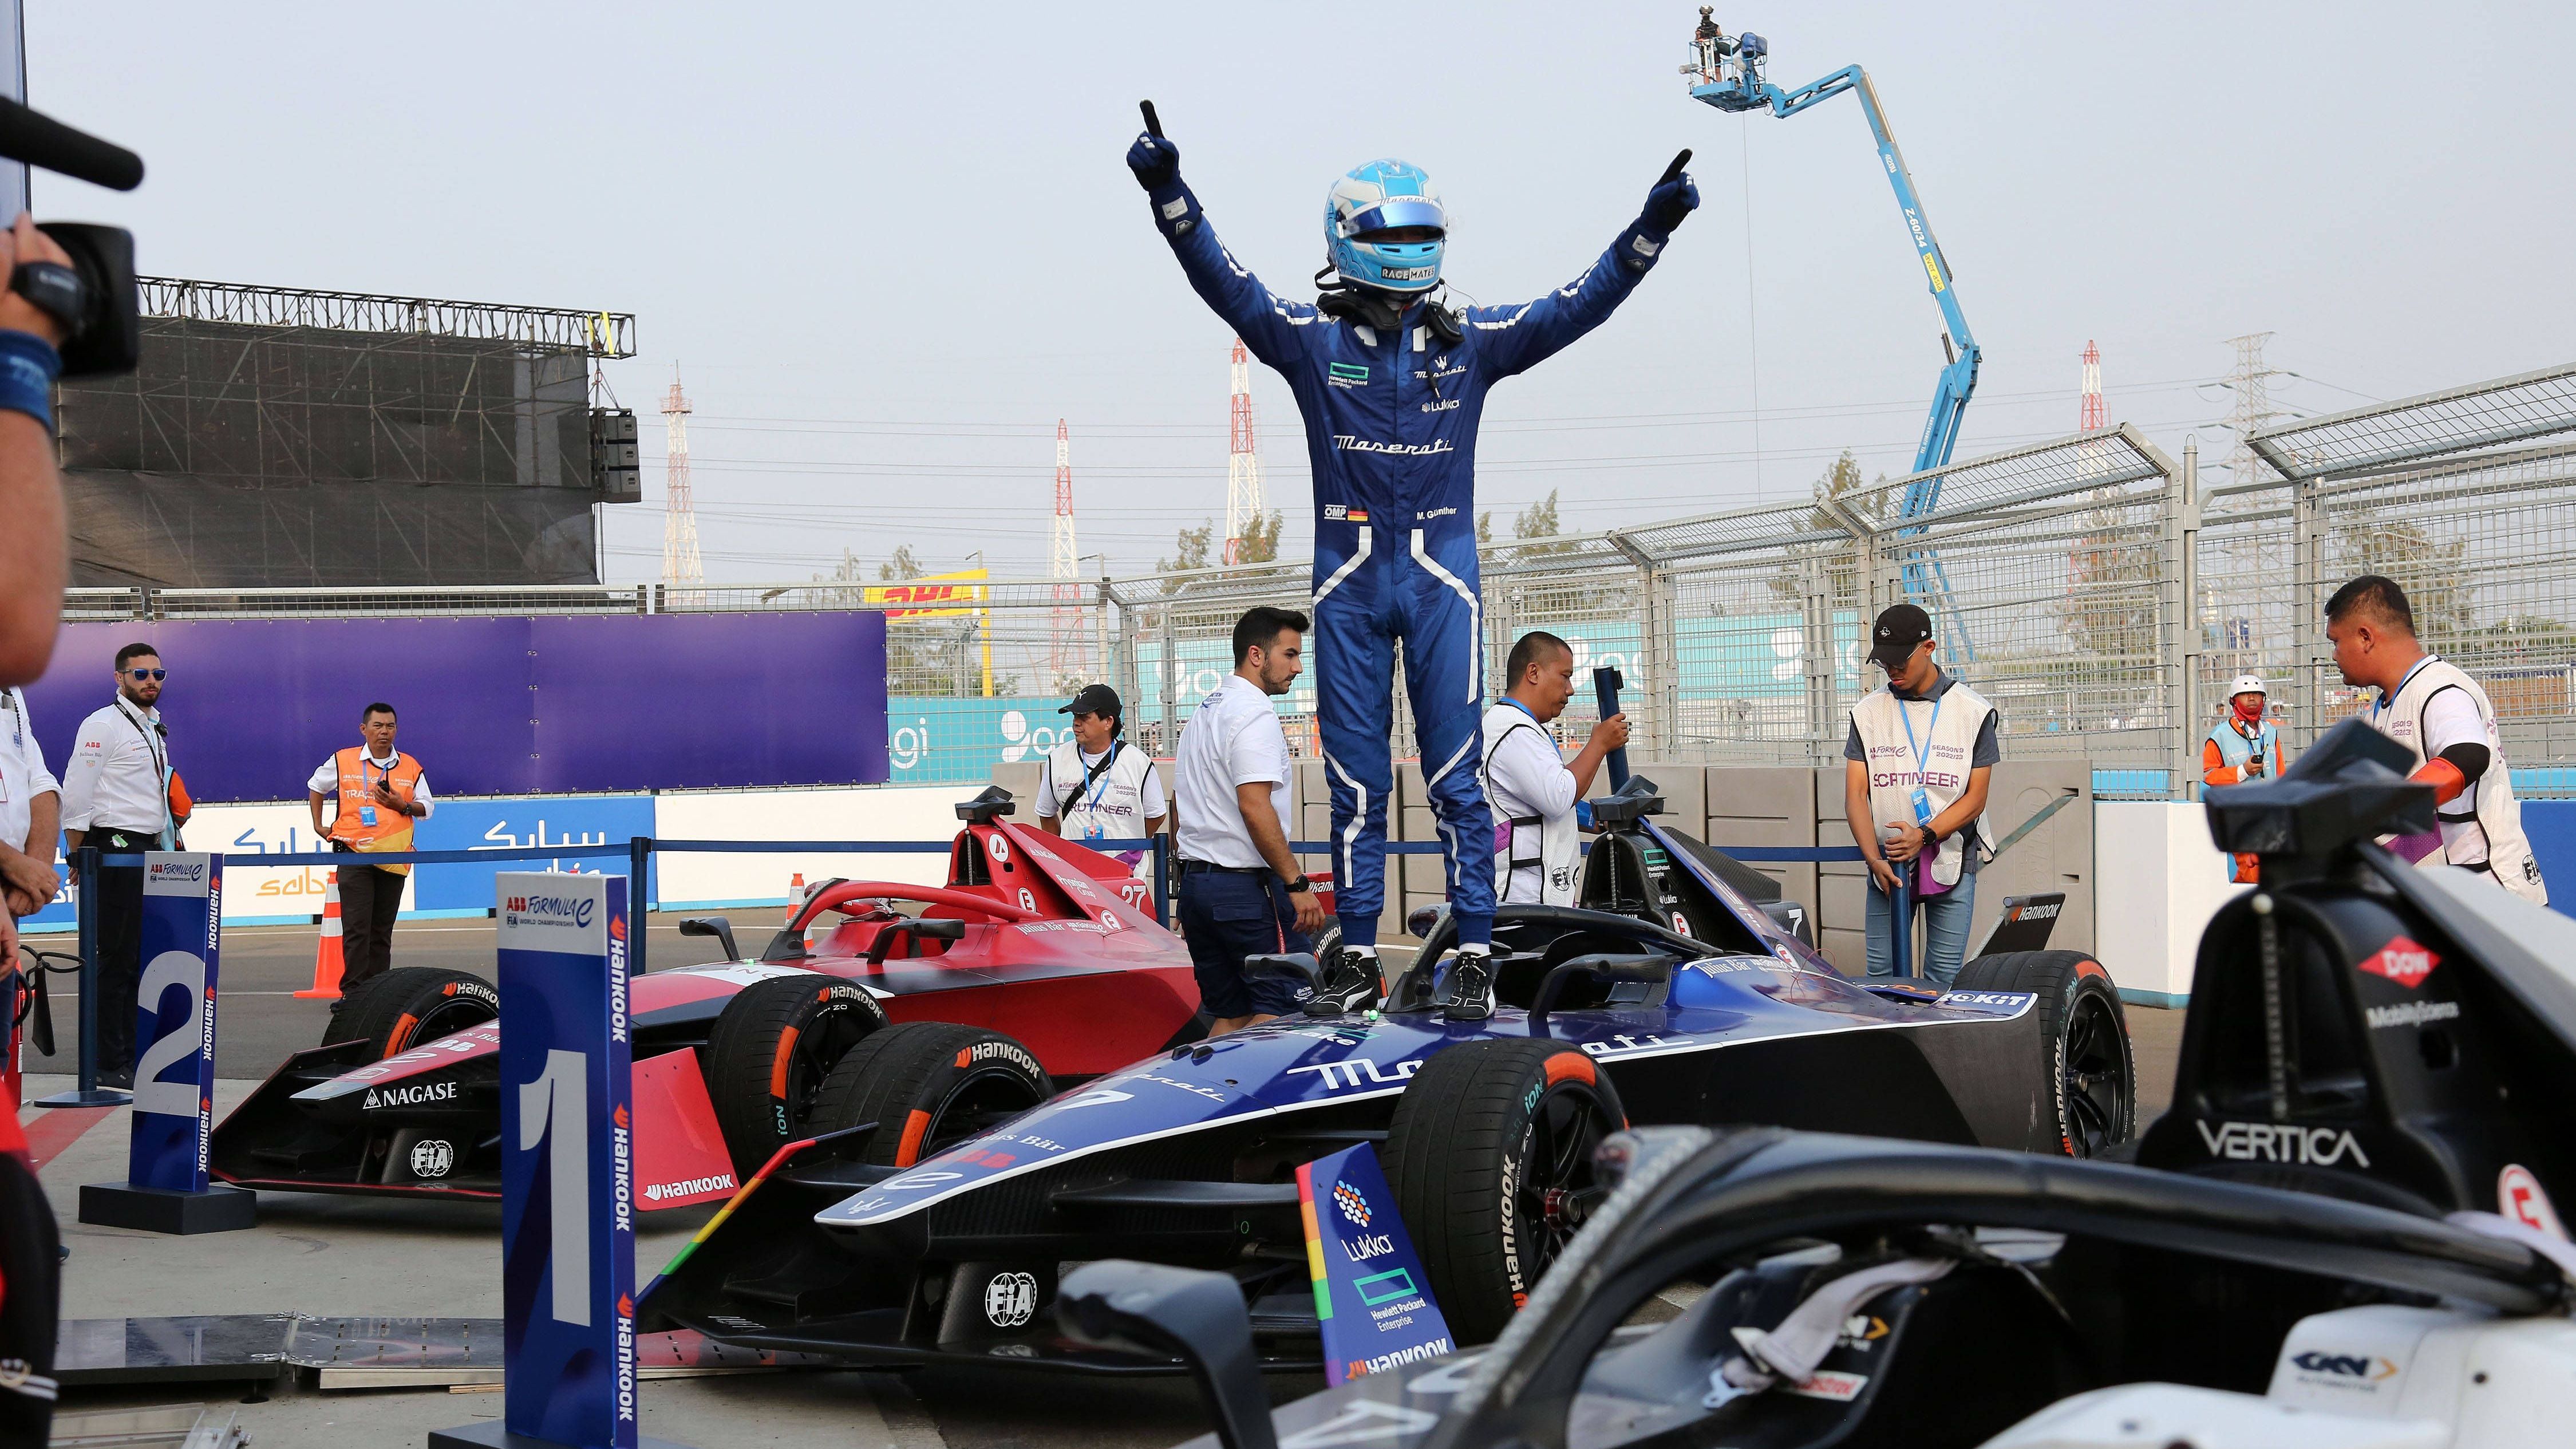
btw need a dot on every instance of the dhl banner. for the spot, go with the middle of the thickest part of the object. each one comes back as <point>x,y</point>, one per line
<point>932,596</point>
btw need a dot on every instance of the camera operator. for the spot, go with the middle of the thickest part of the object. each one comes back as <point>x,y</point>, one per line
<point>32,553</point>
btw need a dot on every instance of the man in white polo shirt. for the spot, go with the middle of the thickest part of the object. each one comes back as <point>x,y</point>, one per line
<point>1242,893</point>
<point>1535,793</point>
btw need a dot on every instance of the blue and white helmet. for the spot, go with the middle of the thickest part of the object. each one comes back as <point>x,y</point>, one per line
<point>1378,197</point>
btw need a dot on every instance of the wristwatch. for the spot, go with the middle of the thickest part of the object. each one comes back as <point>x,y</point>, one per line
<point>1931,837</point>
<point>1297,887</point>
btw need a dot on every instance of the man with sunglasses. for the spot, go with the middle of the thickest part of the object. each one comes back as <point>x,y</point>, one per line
<point>1391,380</point>
<point>116,796</point>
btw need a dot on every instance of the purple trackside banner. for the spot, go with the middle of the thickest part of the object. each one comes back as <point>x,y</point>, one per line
<point>543,705</point>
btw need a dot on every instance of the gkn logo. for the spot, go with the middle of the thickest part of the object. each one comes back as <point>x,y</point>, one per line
<point>2353,1370</point>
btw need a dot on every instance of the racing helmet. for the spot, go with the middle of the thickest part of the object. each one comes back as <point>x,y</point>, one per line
<point>1382,196</point>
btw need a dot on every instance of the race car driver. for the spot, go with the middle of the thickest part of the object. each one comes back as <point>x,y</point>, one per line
<point>2433,707</point>
<point>1391,381</point>
<point>1537,796</point>
<point>1095,786</point>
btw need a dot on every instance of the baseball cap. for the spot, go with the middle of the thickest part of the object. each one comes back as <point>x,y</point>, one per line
<point>1900,627</point>
<point>1097,699</point>
<point>2247,684</point>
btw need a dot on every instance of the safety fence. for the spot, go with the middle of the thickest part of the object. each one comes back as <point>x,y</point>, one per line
<point>2092,586</point>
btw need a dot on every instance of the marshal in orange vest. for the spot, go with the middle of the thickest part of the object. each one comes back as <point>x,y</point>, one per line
<point>392,829</point>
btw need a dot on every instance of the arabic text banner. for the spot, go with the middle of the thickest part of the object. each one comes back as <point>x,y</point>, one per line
<point>254,895</point>
<point>559,822</point>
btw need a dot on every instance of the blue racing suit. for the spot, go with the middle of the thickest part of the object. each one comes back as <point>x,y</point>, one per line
<point>1391,422</point>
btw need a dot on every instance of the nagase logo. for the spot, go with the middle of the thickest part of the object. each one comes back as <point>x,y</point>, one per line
<point>550,910</point>
<point>722,1181</point>
<point>2280,1142</point>
<point>2364,1371</point>
<point>418,1094</point>
<point>2403,962</point>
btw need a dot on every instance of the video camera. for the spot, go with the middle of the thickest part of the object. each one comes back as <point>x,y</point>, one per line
<point>102,317</point>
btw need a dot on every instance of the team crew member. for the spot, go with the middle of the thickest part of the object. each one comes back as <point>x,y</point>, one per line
<point>1242,893</point>
<point>31,813</point>
<point>116,796</point>
<point>2242,746</point>
<point>1535,793</point>
<point>1095,786</point>
<point>1391,382</point>
<point>2433,707</point>
<point>379,792</point>
<point>1921,753</point>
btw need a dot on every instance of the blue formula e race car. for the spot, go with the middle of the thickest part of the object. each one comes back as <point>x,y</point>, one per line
<point>930,1219</point>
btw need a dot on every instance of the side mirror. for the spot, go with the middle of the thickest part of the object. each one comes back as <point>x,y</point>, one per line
<point>1300,967</point>
<point>1647,970</point>
<point>1184,1313</point>
<point>987,807</point>
<point>1423,920</point>
<point>917,927</point>
<point>716,926</point>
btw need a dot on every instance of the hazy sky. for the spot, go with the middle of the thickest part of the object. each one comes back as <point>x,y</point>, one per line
<point>889,246</point>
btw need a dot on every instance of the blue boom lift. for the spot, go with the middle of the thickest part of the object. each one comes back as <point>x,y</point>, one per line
<point>1730,75</point>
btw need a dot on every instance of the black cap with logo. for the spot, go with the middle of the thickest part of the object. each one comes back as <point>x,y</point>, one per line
<point>1900,628</point>
<point>1097,699</point>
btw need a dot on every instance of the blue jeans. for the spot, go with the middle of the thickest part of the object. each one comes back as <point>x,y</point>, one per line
<point>1945,930</point>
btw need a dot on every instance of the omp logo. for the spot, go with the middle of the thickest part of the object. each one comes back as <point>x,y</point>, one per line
<point>556,909</point>
<point>1832,1384</point>
<point>2403,962</point>
<point>2277,1142</point>
<point>418,1094</point>
<point>2411,1013</point>
<point>2355,1370</point>
<point>690,1187</point>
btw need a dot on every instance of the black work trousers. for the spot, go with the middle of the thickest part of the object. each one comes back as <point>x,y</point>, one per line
<point>370,899</point>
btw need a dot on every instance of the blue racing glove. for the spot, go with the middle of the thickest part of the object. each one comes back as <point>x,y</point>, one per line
<point>1672,198</point>
<point>1156,161</point>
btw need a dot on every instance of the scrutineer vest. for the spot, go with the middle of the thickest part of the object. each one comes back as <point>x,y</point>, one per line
<point>1535,858</point>
<point>1934,755</point>
<point>2488,808</point>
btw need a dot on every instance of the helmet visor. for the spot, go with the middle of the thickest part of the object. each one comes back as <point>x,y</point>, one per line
<point>1397,212</point>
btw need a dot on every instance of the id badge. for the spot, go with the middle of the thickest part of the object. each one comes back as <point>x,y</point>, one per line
<point>367,813</point>
<point>1922,807</point>
<point>1094,832</point>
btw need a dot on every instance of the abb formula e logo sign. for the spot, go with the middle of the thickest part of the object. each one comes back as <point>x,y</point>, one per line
<point>2403,962</point>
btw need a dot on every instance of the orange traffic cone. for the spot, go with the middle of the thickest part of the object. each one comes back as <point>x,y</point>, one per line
<point>326,953</point>
<point>795,893</point>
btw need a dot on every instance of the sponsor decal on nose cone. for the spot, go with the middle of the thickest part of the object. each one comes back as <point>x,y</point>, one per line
<point>689,1187</point>
<point>2403,961</point>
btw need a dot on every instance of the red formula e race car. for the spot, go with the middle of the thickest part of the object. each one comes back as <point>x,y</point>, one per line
<point>1042,957</point>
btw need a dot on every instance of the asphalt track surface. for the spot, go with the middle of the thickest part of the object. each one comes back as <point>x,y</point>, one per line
<point>323,1254</point>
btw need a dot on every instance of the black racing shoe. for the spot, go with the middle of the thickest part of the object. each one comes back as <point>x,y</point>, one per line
<point>1471,987</point>
<point>1353,981</point>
